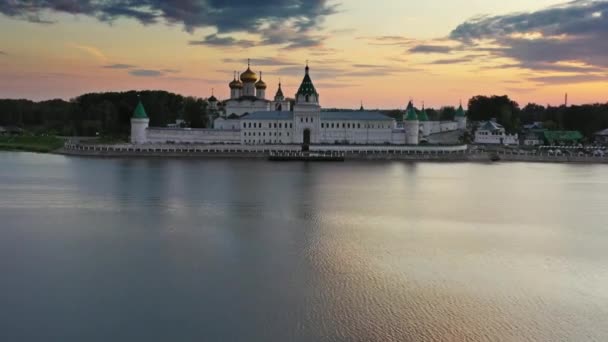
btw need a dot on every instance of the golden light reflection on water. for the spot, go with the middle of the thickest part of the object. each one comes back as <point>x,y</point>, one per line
<point>352,251</point>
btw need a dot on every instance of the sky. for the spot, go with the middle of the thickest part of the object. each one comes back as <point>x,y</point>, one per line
<point>382,52</point>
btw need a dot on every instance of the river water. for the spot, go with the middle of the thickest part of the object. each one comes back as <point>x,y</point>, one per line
<point>245,250</point>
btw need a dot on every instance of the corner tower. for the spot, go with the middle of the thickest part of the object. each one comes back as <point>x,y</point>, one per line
<point>411,125</point>
<point>425,122</point>
<point>461,118</point>
<point>139,124</point>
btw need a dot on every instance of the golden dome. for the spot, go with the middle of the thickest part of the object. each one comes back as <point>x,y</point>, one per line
<point>235,83</point>
<point>260,84</point>
<point>249,76</point>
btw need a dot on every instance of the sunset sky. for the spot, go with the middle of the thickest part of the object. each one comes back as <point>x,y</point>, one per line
<point>382,52</point>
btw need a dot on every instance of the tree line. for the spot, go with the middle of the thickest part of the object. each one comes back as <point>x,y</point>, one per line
<point>109,114</point>
<point>587,119</point>
<point>105,114</point>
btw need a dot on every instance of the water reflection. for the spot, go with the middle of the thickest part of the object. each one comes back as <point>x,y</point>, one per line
<point>243,250</point>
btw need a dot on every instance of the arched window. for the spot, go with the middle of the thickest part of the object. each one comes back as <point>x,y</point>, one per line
<point>307,98</point>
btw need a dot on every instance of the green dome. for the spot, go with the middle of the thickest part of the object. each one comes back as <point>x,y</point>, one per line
<point>140,112</point>
<point>460,112</point>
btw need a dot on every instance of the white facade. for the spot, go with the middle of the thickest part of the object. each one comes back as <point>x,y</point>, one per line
<point>246,105</point>
<point>494,134</point>
<point>253,120</point>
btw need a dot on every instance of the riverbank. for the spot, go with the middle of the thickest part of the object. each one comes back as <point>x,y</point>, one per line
<point>458,153</point>
<point>45,144</point>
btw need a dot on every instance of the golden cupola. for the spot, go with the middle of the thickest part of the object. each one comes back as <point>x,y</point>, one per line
<point>260,84</point>
<point>235,84</point>
<point>249,76</point>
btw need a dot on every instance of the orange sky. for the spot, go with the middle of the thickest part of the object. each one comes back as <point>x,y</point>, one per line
<point>382,53</point>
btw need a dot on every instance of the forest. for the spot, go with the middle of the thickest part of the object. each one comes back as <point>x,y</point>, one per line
<point>103,114</point>
<point>108,114</point>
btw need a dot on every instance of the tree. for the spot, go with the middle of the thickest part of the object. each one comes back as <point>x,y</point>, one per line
<point>447,113</point>
<point>501,108</point>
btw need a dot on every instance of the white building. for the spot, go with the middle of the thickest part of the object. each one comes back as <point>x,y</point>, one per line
<point>491,132</point>
<point>251,119</point>
<point>601,137</point>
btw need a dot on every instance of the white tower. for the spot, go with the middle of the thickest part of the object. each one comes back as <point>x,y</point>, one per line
<point>139,124</point>
<point>411,125</point>
<point>280,104</point>
<point>461,118</point>
<point>260,88</point>
<point>425,122</point>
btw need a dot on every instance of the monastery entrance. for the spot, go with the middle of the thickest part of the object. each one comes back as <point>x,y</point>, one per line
<point>306,140</point>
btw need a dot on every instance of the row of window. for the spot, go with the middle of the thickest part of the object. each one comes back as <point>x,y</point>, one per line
<point>353,125</point>
<point>490,133</point>
<point>263,141</point>
<point>263,134</point>
<point>270,125</point>
<point>311,120</point>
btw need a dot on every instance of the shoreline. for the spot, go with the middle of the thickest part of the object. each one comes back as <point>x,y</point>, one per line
<point>352,153</point>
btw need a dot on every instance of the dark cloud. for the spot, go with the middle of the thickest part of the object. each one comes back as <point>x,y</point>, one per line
<point>573,32</point>
<point>546,67</point>
<point>215,40</point>
<point>452,61</point>
<point>390,40</point>
<point>146,73</point>
<point>569,79</point>
<point>274,21</point>
<point>118,66</point>
<point>426,48</point>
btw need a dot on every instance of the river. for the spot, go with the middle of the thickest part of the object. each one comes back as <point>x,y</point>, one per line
<point>247,250</point>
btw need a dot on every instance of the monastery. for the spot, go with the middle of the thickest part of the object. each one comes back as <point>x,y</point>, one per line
<point>248,118</point>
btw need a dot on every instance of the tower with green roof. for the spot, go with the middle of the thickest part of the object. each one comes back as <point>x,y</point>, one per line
<point>427,125</point>
<point>411,124</point>
<point>461,118</point>
<point>307,112</point>
<point>139,124</point>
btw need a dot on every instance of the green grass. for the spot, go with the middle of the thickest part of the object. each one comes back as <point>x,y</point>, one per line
<point>30,143</point>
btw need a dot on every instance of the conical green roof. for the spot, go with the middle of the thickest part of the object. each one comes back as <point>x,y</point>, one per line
<point>140,112</point>
<point>307,88</point>
<point>460,112</point>
<point>410,112</point>
<point>423,116</point>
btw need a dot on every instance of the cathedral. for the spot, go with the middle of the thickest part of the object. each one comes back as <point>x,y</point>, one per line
<point>248,118</point>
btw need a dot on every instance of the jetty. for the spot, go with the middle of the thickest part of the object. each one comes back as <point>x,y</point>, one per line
<point>306,156</point>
